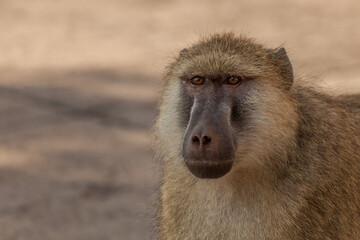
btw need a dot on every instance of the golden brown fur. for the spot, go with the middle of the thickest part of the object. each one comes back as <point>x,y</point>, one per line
<point>297,169</point>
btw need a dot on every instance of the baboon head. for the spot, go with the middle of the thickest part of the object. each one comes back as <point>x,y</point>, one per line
<point>226,102</point>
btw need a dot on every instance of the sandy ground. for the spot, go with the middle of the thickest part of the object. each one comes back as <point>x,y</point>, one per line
<point>78,86</point>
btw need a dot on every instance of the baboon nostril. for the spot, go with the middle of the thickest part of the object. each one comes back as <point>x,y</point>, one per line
<point>206,140</point>
<point>195,140</point>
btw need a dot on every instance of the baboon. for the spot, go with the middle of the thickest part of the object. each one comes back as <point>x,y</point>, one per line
<point>249,153</point>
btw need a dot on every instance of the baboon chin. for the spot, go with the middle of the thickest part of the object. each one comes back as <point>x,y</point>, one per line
<point>284,157</point>
<point>209,169</point>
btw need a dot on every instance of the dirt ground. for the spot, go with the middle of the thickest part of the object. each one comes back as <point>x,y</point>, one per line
<point>78,86</point>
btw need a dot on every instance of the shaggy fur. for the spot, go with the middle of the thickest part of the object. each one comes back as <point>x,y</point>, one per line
<point>296,173</point>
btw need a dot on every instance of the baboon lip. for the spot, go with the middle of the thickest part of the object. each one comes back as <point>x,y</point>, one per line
<point>207,162</point>
<point>209,169</point>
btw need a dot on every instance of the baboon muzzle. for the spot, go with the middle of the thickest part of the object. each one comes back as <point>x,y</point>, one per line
<point>208,146</point>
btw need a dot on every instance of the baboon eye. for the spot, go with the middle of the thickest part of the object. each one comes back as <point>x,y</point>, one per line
<point>233,80</point>
<point>197,80</point>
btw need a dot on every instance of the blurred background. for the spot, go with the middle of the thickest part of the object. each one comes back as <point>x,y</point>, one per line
<point>78,87</point>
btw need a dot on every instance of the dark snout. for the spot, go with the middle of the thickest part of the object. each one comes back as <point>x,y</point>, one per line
<point>208,147</point>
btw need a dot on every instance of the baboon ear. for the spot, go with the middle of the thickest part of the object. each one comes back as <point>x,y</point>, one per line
<point>182,52</point>
<point>285,66</point>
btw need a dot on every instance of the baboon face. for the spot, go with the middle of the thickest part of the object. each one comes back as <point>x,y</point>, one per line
<point>225,104</point>
<point>209,141</point>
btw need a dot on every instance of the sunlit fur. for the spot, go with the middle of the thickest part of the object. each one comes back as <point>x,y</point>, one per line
<point>296,170</point>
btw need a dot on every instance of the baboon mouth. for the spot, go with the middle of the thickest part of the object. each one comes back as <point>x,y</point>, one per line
<point>209,169</point>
